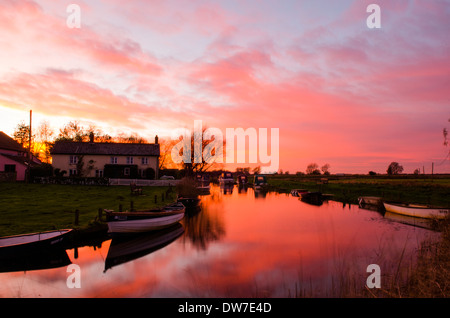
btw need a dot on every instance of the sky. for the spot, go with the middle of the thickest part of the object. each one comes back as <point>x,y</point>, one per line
<point>339,92</point>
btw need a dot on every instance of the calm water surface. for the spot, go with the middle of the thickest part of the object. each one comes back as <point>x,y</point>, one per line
<point>241,244</point>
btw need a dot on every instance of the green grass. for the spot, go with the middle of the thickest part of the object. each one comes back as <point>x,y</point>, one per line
<point>26,208</point>
<point>406,189</point>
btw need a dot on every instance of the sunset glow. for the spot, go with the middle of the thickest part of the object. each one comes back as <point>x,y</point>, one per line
<point>339,92</point>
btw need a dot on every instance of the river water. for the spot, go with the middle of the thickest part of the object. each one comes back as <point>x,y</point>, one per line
<point>241,243</point>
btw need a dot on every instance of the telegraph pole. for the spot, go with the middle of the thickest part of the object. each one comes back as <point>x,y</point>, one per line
<point>30,157</point>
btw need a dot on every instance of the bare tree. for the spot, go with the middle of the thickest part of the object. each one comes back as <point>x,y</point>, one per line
<point>199,156</point>
<point>73,131</point>
<point>165,159</point>
<point>42,141</point>
<point>312,168</point>
<point>325,169</point>
<point>22,134</point>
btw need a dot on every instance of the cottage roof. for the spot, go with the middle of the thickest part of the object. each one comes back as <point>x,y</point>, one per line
<point>108,149</point>
<point>8,143</point>
<point>22,159</point>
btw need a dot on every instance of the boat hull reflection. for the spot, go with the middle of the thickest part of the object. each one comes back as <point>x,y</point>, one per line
<point>127,248</point>
<point>38,260</point>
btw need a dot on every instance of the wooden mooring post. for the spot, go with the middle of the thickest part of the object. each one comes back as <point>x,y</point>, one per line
<point>77,216</point>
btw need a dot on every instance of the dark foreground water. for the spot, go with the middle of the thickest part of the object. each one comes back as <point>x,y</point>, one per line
<point>240,244</point>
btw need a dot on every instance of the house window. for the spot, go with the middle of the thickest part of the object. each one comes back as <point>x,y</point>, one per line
<point>114,160</point>
<point>99,173</point>
<point>130,160</point>
<point>144,160</point>
<point>72,172</point>
<point>126,171</point>
<point>73,160</point>
<point>10,168</point>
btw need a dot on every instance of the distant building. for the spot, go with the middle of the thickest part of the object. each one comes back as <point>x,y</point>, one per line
<point>109,160</point>
<point>14,159</point>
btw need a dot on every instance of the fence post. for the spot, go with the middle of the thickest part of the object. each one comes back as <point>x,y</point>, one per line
<point>77,214</point>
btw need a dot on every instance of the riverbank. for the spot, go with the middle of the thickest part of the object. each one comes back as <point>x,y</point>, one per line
<point>27,208</point>
<point>434,190</point>
<point>429,277</point>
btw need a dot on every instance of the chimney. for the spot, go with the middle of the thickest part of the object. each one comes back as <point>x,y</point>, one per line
<point>156,139</point>
<point>91,137</point>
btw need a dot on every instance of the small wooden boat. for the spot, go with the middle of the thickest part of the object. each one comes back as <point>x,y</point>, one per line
<point>259,181</point>
<point>226,177</point>
<point>146,220</point>
<point>370,200</point>
<point>19,244</point>
<point>314,198</point>
<point>189,202</point>
<point>419,211</point>
<point>203,188</point>
<point>242,179</point>
<point>203,183</point>
<point>298,192</point>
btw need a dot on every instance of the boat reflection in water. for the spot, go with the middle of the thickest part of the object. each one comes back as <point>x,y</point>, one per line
<point>410,220</point>
<point>34,251</point>
<point>37,260</point>
<point>398,218</point>
<point>227,188</point>
<point>130,247</point>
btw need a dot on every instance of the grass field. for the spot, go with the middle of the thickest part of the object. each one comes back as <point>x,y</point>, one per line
<point>26,208</point>
<point>407,189</point>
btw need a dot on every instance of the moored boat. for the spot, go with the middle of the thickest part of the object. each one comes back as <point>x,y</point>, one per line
<point>146,220</point>
<point>226,178</point>
<point>259,181</point>
<point>419,211</point>
<point>370,200</point>
<point>189,202</point>
<point>314,198</point>
<point>298,192</point>
<point>242,179</point>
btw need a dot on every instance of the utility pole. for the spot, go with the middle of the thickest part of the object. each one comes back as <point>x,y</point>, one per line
<point>432,171</point>
<point>30,157</point>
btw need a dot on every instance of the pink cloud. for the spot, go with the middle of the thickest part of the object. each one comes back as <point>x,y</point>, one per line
<point>359,92</point>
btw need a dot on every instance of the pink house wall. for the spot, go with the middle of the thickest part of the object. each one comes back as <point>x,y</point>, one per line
<point>20,168</point>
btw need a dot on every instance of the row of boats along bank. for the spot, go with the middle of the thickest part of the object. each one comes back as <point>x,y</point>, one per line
<point>377,203</point>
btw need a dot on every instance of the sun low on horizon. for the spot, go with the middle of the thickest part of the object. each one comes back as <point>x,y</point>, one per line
<point>346,83</point>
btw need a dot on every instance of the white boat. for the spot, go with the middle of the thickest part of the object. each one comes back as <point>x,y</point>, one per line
<point>226,178</point>
<point>419,211</point>
<point>144,221</point>
<point>32,242</point>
